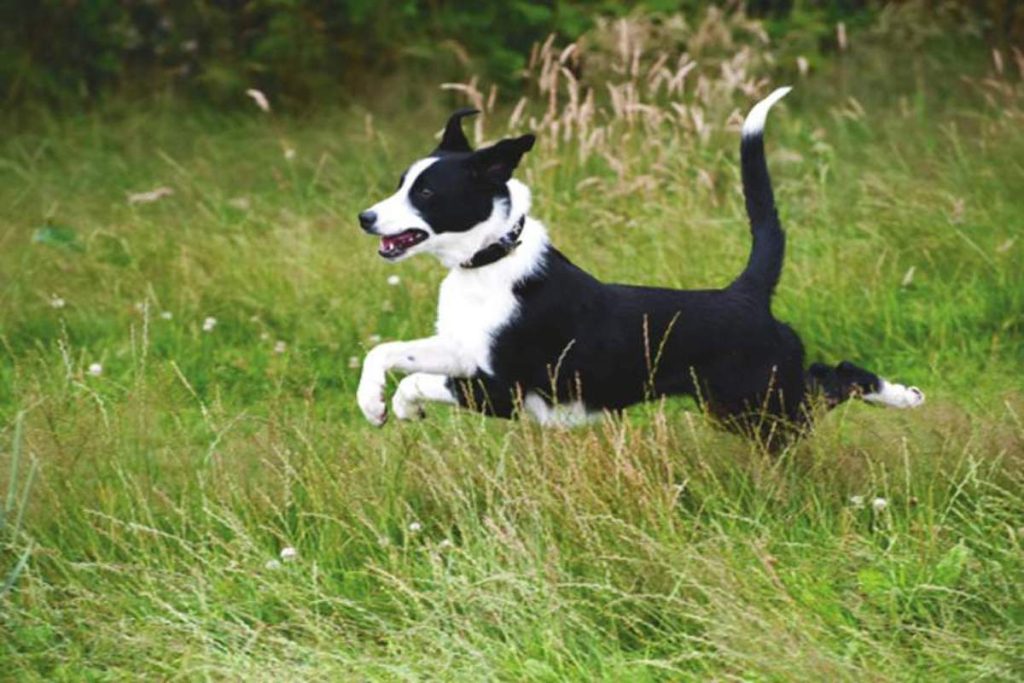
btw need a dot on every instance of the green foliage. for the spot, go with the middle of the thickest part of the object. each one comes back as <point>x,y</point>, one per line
<point>317,51</point>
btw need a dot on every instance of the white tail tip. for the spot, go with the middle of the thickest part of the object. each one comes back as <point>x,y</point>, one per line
<point>754,123</point>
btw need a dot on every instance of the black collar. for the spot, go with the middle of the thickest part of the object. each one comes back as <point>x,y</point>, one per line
<point>497,250</point>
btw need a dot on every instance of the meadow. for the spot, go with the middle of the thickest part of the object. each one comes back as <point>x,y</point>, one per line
<point>190,492</point>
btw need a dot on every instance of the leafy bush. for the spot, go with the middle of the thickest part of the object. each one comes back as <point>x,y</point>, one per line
<point>306,50</point>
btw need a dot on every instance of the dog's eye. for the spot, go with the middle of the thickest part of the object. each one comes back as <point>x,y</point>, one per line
<point>424,193</point>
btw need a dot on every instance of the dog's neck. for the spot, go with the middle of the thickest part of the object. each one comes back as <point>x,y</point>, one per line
<point>519,263</point>
<point>456,250</point>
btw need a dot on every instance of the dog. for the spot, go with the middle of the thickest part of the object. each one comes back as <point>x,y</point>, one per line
<point>520,328</point>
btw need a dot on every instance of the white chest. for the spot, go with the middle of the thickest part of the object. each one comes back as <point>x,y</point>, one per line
<point>471,310</point>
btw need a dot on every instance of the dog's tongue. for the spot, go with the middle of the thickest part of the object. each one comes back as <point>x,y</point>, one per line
<point>388,243</point>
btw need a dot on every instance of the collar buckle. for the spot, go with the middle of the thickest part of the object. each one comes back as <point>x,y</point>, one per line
<point>497,250</point>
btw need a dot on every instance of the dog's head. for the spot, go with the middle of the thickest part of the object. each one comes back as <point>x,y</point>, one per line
<point>452,202</point>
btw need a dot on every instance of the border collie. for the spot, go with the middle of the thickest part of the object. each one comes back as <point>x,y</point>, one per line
<point>520,328</point>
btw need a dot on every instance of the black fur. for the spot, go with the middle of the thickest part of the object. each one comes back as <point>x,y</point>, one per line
<point>613,345</point>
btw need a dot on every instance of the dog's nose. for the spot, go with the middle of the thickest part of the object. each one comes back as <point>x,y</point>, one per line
<point>367,220</point>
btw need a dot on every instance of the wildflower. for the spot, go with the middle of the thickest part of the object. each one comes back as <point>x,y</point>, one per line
<point>209,324</point>
<point>264,336</point>
<point>374,339</point>
<point>272,565</point>
<point>446,544</point>
<point>289,153</point>
<point>57,302</point>
<point>879,504</point>
<point>415,527</point>
<point>288,554</point>
<point>259,98</point>
<point>280,346</point>
<point>95,369</point>
<point>166,315</point>
<point>857,501</point>
<point>394,280</point>
<point>151,196</point>
<point>353,362</point>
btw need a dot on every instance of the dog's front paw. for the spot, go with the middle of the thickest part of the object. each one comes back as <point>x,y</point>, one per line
<point>370,394</point>
<point>371,402</point>
<point>405,403</point>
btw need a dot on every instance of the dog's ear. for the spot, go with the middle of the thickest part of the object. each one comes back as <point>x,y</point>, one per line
<point>453,139</point>
<point>495,164</point>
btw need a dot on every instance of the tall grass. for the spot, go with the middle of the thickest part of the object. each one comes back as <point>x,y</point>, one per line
<point>177,459</point>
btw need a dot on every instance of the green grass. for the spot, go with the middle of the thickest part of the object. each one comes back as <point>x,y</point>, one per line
<point>649,547</point>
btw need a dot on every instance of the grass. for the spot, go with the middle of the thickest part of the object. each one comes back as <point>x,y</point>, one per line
<point>648,547</point>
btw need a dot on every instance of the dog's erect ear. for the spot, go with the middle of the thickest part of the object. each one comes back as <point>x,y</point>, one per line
<point>496,163</point>
<point>454,140</point>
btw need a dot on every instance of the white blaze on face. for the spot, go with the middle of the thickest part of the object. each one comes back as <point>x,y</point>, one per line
<point>396,213</point>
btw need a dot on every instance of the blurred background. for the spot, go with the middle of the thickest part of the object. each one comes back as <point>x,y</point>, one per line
<point>73,52</point>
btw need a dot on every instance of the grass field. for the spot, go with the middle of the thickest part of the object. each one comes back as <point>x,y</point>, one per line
<point>159,463</point>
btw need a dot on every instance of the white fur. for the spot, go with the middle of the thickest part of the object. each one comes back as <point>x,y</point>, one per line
<point>754,123</point>
<point>561,415</point>
<point>415,390</point>
<point>896,395</point>
<point>474,304</point>
<point>397,214</point>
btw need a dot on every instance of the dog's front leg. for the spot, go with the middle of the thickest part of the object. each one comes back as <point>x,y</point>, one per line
<point>433,355</point>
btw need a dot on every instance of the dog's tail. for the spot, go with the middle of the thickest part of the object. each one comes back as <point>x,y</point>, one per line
<point>765,263</point>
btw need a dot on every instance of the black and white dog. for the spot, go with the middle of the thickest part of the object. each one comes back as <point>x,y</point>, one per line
<point>519,327</point>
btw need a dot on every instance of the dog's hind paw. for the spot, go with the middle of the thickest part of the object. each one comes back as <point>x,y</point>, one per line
<point>896,395</point>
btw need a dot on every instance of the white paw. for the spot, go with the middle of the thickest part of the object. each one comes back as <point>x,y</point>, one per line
<point>370,394</point>
<point>371,402</point>
<point>896,396</point>
<point>404,403</point>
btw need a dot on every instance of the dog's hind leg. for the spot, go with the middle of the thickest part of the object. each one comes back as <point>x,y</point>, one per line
<point>416,389</point>
<point>846,380</point>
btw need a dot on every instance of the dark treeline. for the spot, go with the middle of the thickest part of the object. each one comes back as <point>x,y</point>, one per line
<point>64,51</point>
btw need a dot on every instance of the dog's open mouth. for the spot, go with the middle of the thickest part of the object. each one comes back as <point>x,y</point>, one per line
<point>393,246</point>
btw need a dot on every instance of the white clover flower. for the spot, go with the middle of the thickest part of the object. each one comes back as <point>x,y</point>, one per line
<point>289,554</point>
<point>95,369</point>
<point>289,153</point>
<point>446,544</point>
<point>264,336</point>
<point>879,504</point>
<point>209,324</point>
<point>415,527</point>
<point>280,346</point>
<point>57,302</point>
<point>272,565</point>
<point>353,362</point>
<point>166,315</point>
<point>394,280</point>
<point>857,501</point>
<point>374,339</point>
